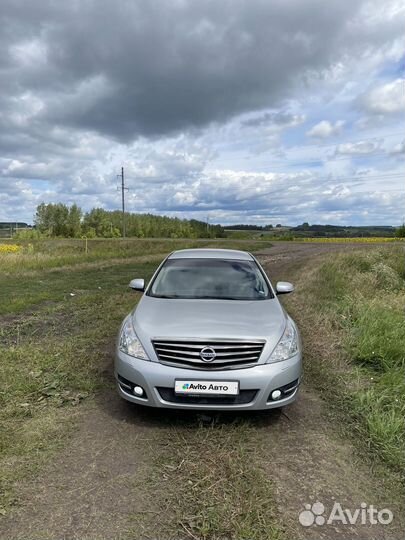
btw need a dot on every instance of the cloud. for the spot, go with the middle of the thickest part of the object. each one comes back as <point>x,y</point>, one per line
<point>358,148</point>
<point>398,149</point>
<point>388,98</point>
<point>291,198</point>
<point>325,129</point>
<point>166,66</point>
<point>277,120</point>
<point>205,104</point>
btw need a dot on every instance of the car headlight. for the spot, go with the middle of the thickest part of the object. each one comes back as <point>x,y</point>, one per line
<point>287,346</point>
<point>129,342</point>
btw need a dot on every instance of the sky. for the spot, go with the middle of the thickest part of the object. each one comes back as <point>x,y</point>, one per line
<point>236,111</point>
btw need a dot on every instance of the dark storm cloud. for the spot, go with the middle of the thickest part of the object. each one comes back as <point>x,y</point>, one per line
<point>153,67</point>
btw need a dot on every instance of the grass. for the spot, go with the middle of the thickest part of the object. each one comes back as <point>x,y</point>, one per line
<point>212,484</point>
<point>51,360</point>
<point>351,311</point>
<point>58,328</point>
<point>22,292</point>
<point>59,321</point>
<point>285,234</point>
<point>350,240</point>
<point>39,255</point>
<point>55,269</point>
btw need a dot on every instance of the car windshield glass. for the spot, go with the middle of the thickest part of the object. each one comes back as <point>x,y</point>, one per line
<point>210,279</point>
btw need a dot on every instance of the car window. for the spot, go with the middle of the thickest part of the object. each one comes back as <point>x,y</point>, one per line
<point>211,279</point>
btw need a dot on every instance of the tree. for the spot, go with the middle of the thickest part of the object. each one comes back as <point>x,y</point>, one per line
<point>400,232</point>
<point>101,222</point>
<point>41,219</point>
<point>74,222</point>
<point>61,220</point>
<point>52,219</point>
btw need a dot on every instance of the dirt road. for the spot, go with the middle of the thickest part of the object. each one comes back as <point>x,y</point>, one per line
<point>99,486</point>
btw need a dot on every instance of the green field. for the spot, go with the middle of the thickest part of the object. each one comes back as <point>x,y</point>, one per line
<point>60,310</point>
<point>51,269</point>
<point>351,310</point>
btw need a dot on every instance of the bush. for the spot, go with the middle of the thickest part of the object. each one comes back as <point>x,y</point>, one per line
<point>28,234</point>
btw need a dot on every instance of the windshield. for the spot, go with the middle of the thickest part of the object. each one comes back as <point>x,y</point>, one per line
<point>210,278</point>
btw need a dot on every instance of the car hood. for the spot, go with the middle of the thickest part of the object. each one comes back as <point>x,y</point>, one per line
<point>227,319</point>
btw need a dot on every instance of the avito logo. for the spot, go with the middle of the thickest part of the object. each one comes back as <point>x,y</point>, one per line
<point>193,386</point>
<point>314,514</point>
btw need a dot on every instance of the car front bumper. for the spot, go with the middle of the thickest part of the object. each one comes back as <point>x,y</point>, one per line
<point>154,376</point>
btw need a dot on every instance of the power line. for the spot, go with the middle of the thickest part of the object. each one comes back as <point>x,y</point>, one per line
<point>381,153</point>
<point>201,175</point>
<point>334,144</point>
<point>275,165</point>
<point>360,177</point>
<point>363,139</point>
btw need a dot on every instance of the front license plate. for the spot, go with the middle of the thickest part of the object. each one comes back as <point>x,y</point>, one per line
<point>223,388</point>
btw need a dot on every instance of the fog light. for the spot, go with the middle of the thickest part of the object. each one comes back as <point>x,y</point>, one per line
<point>276,395</point>
<point>138,390</point>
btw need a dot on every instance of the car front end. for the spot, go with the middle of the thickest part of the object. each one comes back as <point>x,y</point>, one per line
<point>209,353</point>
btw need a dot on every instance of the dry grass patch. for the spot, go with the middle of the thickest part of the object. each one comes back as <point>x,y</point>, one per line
<point>213,486</point>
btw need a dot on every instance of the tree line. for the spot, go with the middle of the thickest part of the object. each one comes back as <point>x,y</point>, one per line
<point>343,231</point>
<point>245,227</point>
<point>71,222</point>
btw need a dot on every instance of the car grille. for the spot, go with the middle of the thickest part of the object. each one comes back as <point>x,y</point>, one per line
<point>245,396</point>
<point>229,354</point>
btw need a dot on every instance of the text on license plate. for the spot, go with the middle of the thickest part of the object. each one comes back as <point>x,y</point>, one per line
<point>228,388</point>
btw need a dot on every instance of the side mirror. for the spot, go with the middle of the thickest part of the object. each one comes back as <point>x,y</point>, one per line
<point>137,284</point>
<point>284,287</point>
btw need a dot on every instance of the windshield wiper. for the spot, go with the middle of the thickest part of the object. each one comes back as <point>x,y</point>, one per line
<point>205,297</point>
<point>217,297</point>
<point>166,296</point>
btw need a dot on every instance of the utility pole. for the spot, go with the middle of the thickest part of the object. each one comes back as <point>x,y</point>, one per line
<point>123,189</point>
<point>123,201</point>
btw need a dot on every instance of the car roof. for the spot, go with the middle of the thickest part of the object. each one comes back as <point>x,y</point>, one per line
<point>211,254</point>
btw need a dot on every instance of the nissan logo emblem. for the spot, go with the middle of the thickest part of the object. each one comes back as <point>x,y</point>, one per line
<point>207,354</point>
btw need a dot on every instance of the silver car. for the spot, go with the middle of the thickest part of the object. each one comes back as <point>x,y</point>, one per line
<point>209,333</point>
